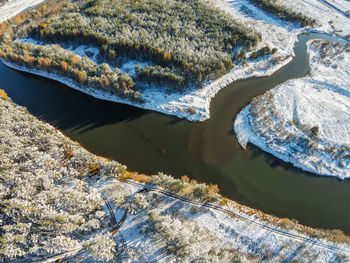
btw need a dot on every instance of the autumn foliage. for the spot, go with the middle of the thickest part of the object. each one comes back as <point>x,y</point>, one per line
<point>3,94</point>
<point>44,62</point>
<point>64,66</point>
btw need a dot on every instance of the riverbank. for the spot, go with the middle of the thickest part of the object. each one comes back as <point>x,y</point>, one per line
<point>94,211</point>
<point>194,104</point>
<point>305,121</point>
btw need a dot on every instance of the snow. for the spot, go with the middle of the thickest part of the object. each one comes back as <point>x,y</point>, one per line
<point>14,7</point>
<point>281,121</point>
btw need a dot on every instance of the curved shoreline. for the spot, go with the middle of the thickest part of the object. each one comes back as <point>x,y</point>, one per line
<point>320,161</point>
<point>175,104</point>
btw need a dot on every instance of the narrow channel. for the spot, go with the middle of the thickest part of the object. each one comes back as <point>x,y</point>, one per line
<point>149,142</point>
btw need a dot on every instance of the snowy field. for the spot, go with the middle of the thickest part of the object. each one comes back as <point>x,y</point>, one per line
<point>306,121</point>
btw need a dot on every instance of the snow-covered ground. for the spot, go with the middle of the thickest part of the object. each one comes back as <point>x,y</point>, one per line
<point>329,19</point>
<point>14,7</point>
<point>306,121</point>
<point>61,202</point>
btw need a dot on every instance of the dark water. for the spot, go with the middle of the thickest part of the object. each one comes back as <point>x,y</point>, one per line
<point>150,142</point>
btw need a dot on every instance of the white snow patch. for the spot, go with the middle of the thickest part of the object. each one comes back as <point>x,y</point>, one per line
<point>306,121</point>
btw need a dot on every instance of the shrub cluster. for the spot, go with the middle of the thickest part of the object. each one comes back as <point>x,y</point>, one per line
<point>262,52</point>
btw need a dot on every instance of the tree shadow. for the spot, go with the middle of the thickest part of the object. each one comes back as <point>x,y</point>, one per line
<point>64,107</point>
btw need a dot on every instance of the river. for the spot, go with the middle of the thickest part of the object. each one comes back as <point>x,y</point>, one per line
<point>149,142</point>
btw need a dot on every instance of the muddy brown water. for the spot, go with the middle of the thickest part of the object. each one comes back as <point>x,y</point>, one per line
<point>149,142</point>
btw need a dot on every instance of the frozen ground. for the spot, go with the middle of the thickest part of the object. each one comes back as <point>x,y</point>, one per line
<point>58,201</point>
<point>306,121</point>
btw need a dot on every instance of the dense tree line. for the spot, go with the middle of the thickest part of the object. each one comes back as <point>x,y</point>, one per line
<point>284,12</point>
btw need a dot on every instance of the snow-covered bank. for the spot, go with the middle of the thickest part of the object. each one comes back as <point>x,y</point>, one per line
<point>59,201</point>
<point>176,103</point>
<point>14,7</point>
<point>306,121</point>
<point>194,103</point>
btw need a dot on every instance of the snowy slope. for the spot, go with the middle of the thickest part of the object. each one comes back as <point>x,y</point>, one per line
<point>306,121</point>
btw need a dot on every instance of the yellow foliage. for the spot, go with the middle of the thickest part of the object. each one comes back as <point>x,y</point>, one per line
<point>2,54</point>
<point>68,153</point>
<point>141,178</point>
<point>3,27</point>
<point>3,94</point>
<point>106,82</point>
<point>28,59</point>
<point>94,168</point>
<point>44,62</point>
<point>189,65</point>
<point>185,179</point>
<point>9,48</point>
<point>167,56</point>
<point>64,65</point>
<point>213,188</point>
<point>18,19</point>
<point>75,60</point>
<point>82,76</point>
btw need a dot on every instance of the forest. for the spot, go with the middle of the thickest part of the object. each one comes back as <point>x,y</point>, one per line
<point>183,42</point>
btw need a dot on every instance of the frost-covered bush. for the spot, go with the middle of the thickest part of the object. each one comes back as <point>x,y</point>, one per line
<point>102,246</point>
<point>179,240</point>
